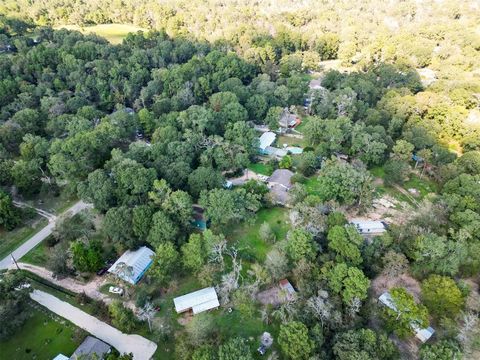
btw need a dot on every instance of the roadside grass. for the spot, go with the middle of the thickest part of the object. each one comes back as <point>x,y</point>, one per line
<point>38,255</point>
<point>114,33</point>
<point>261,168</point>
<point>43,336</point>
<point>10,240</point>
<point>246,235</point>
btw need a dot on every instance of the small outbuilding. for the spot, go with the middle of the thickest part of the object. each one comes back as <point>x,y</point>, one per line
<point>266,139</point>
<point>197,301</point>
<point>290,292</point>
<point>91,349</point>
<point>133,264</point>
<point>61,357</point>
<point>369,227</point>
<point>422,334</point>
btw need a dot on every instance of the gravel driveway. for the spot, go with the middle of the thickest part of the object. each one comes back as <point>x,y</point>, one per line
<point>141,348</point>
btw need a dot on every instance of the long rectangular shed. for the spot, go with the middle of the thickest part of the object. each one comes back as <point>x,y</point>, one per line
<point>132,265</point>
<point>197,301</point>
<point>422,334</point>
<point>369,227</point>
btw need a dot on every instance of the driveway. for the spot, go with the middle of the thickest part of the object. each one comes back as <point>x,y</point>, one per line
<point>141,348</point>
<point>40,236</point>
<point>247,175</point>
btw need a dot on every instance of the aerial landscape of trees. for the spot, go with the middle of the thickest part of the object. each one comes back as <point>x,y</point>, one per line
<point>150,130</point>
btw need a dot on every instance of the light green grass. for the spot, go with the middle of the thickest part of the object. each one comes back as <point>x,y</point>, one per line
<point>312,185</point>
<point>10,240</point>
<point>114,33</point>
<point>261,168</point>
<point>290,141</point>
<point>42,337</point>
<point>424,185</point>
<point>38,255</point>
<point>247,235</point>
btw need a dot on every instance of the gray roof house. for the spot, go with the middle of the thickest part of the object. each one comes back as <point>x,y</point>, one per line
<point>91,349</point>
<point>288,120</point>
<point>279,183</point>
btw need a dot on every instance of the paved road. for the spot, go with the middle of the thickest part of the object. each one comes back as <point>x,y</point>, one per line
<point>141,348</point>
<point>40,236</point>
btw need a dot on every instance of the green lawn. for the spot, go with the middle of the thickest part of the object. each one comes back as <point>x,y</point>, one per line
<point>247,237</point>
<point>261,168</point>
<point>290,141</point>
<point>301,126</point>
<point>10,240</point>
<point>43,336</point>
<point>312,185</point>
<point>114,33</point>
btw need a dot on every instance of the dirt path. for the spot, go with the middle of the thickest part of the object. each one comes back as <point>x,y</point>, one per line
<point>141,348</point>
<point>90,288</point>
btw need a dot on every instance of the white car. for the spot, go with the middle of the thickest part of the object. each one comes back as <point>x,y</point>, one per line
<point>116,290</point>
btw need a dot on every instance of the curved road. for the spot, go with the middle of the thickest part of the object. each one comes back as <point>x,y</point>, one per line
<point>141,348</point>
<point>40,236</point>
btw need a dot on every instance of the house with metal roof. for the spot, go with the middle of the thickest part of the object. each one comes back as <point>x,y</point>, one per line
<point>369,227</point>
<point>91,349</point>
<point>133,264</point>
<point>197,301</point>
<point>423,334</point>
<point>266,139</point>
<point>288,120</point>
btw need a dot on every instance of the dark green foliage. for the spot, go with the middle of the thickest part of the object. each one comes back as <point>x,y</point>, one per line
<point>9,214</point>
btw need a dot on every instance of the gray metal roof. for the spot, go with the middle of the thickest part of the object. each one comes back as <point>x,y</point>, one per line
<point>132,264</point>
<point>281,177</point>
<point>91,348</point>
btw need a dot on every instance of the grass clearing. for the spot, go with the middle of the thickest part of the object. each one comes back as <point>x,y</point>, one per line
<point>43,336</point>
<point>13,239</point>
<point>312,185</point>
<point>423,185</point>
<point>290,141</point>
<point>301,127</point>
<point>114,33</point>
<point>261,168</point>
<point>246,235</point>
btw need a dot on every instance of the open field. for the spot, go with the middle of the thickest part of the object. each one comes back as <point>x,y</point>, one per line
<point>43,336</point>
<point>10,240</point>
<point>246,235</point>
<point>114,33</point>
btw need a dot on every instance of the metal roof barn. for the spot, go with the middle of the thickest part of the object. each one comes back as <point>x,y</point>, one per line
<point>366,227</point>
<point>132,265</point>
<point>266,140</point>
<point>197,301</point>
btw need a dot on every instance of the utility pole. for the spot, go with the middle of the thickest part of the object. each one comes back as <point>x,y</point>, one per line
<point>14,261</point>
